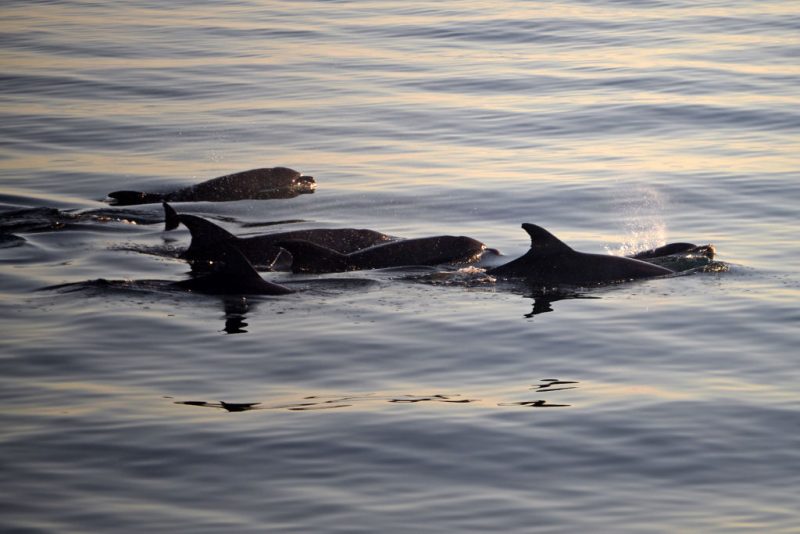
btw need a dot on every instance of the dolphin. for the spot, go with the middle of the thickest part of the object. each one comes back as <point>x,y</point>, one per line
<point>308,257</point>
<point>666,250</point>
<point>262,250</point>
<point>276,182</point>
<point>233,274</point>
<point>551,261</point>
<point>681,258</point>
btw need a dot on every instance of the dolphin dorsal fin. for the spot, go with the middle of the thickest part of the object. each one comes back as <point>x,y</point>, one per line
<point>171,217</point>
<point>204,231</point>
<point>543,242</point>
<point>236,265</point>
<point>237,271</point>
<point>206,238</point>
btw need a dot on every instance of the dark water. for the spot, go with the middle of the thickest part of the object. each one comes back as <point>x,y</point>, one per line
<point>387,404</point>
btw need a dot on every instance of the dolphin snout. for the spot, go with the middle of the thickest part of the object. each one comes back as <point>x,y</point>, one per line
<point>307,181</point>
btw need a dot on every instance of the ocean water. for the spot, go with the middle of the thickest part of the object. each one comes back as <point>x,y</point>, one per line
<point>389,403</point>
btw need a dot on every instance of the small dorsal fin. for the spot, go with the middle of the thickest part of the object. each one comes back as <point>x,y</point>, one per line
<point>233,263</point>
<point>236,273</point>
<point>207,239</point>
<point>203,230</point>
<point>543,242</point>
<point>171,217</point>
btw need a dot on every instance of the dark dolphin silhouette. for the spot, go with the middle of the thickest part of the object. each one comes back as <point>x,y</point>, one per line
<point>233,274</point>
<point>666,250</point>
<point>551,261</point>
<point>679,258</point>
<point>276,182</point>
<point>262,250</point>
<point>308,257</point>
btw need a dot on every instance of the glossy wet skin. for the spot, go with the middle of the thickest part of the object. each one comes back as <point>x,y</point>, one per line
<point>265,183</point>
<point>622,123</point>
<point>550,261</point>
<point>278,182</point>
<point>310,258</point>
<point>262,250</point>
<point>581,268</point>
<point>234,275</point>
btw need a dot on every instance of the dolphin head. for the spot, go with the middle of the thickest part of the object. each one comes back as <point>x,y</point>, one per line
<point>306,182</point>
<point>293,179</point>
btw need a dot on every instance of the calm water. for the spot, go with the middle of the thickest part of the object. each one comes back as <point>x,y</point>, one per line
<point>391,405</point>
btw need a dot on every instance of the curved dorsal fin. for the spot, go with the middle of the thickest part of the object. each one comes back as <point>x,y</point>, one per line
<point>234,264</point>
<point>207,238</point>
<point>543,242</point>
<point>204,231</point>
<point>237,274</point>
<point>234,274</point>
<point>171,217</point>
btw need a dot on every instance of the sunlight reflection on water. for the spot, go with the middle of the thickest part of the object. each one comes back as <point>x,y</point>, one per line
<point>617,126</point>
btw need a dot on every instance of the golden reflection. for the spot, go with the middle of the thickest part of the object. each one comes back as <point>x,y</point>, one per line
<point>380,86</point>
<point>92,397</point>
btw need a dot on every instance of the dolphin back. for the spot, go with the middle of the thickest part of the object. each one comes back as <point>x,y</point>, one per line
<point>666,250</point>
<point>132,198</point>
<point>550,261</point>
<point>308,257</point>
<point>264,183</point>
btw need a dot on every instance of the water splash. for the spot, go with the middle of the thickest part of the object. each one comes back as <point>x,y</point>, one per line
<point>641,210</point>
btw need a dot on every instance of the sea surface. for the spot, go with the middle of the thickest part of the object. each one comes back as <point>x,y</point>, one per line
<point>401,400</point>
